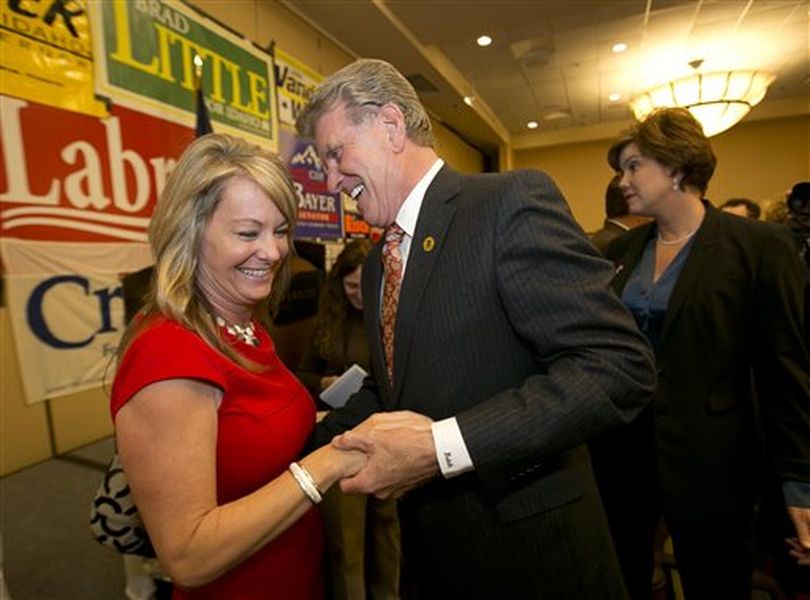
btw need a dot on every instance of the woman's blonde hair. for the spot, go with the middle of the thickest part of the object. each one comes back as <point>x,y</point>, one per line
<point>190,197</point>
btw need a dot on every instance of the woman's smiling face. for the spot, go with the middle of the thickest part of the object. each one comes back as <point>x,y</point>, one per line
<point>242,246</point>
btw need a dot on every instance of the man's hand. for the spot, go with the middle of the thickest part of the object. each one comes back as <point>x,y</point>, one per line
<point>800,545</point>
<point>401,453</point>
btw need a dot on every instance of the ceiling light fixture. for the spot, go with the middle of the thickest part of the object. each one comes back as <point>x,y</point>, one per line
<point>484,41</point>
<point>718,100</point>
<point>615,97</point>
<point>619,47</point>
<point>532,124</point>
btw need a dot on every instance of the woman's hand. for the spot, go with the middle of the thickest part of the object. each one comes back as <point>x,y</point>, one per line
<point>328,465</point>
<point>349,461</point>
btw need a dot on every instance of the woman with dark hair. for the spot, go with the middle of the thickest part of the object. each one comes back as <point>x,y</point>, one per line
<point>719,298</point>
<point>338,339</point>
<point>362,532</point>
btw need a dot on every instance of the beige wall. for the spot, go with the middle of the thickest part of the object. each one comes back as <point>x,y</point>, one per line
<point>82,418</point>
<point>580,171</point>
<point>758,160</point>
<point>456,152</point>
<point>761,160</point>
<point>265,21</point>
<point>25,437</point>
<point>23,428</point>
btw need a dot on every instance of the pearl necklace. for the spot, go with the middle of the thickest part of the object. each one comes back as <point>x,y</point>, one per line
<point>679,240</point>
<point>246,334</point>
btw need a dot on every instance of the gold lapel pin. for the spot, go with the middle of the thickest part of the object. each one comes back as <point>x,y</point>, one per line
<point>428,244</point>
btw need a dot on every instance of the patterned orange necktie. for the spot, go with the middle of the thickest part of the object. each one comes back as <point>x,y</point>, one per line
<point>392,271</point>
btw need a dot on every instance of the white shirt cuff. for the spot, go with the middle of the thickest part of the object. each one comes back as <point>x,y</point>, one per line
<point>451,452</point>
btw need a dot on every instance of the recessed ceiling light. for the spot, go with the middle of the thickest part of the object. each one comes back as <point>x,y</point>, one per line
<point>532,124</point>
<point>484,40</point>
<point>615,97</point>
<point>468,100</point>
<point>619,47</point>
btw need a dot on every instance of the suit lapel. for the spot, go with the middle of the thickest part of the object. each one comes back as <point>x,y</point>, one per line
<point>630,256</point>
<point>435,216</point>
<point>700,256</point>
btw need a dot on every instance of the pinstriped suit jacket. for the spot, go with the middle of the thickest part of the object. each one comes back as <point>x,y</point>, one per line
<point>509,324</point>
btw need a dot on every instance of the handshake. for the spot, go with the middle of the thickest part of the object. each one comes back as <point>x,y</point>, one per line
<point>387,454</point>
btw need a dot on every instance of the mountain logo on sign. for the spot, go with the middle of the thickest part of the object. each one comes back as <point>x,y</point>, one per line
<point>308,157</point>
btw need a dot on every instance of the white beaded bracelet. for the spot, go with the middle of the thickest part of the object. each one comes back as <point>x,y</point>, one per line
<point>306,482</point>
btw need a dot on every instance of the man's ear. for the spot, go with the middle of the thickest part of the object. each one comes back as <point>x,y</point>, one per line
<point>393,121</point>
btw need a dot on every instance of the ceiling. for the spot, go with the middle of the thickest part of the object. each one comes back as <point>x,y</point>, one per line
<point>552,61</point>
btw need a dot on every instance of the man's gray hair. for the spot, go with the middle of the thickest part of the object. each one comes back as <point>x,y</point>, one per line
<point>363,87</point>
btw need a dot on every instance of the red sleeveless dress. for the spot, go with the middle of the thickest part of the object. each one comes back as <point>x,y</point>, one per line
<point>265,420</point>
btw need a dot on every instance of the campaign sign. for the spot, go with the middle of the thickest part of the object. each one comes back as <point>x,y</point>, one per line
<point>295,84</point>
<point>47,54</point>
<point>76,196</point>
<point>146,52</point>
<point>319,212</point>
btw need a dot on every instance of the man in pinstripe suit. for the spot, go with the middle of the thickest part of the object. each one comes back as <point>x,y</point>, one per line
<point>509,353</point>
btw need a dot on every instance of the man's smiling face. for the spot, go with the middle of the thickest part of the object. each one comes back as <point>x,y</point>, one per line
<point>358,158</point>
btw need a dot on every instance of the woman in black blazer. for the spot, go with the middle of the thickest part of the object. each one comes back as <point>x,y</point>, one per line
<point>719,297</point>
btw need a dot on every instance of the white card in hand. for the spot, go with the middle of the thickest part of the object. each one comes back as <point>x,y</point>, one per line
<point>347,384</point>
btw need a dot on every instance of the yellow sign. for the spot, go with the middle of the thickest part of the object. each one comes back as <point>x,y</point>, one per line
<point>145,61</point>
<point>47,54</point>
<point>295,83</point>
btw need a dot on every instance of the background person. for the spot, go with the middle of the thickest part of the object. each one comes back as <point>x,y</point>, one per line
<point>504,339</point>
<point>362,532</point>
<point>798,203</point>
<point>718,297</point>
<point>338,340</point>
<point>207,418</point>
<point>617,217</point>
<point>742,207</point>
<point>776,211</point>
<point>792,574</point>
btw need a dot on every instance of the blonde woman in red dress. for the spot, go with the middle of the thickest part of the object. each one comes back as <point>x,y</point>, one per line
<point>209,422</point>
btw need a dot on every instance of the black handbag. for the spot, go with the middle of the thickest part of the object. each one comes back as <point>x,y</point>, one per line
<point>114,518</point>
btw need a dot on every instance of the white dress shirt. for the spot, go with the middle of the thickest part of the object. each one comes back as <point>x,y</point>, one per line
<point>451,451</point>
